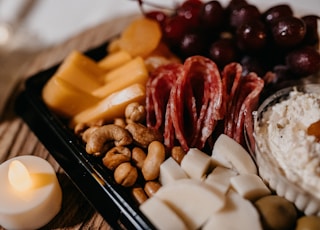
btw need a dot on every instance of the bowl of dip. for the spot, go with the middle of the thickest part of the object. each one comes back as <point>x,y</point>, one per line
<point>287,148</point>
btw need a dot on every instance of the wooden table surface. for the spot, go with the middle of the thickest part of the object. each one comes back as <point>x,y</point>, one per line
<point>17,139</point>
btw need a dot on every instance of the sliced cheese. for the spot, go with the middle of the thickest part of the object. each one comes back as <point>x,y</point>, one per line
<point>161,215</point>
<point>192,200</point>
<point>65,99</point>
<point>196,164</point>
<point>229,153</point>
<point>135,67</point>
<point>237,214</point>
<point>114,60</point>
<point>171,171</point>
<point>250,186</point>
<point>133,72</point>
<point>219,178</point>
<point>81,72</point>
<point>112,106</point>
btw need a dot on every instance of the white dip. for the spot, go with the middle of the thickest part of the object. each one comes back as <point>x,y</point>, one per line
<point>283,135</point>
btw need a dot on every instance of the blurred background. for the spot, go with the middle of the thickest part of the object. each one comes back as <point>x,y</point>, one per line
<point>49,22</point>
<point>36,34</point>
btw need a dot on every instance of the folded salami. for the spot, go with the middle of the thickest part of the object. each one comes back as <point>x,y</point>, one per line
<point>186,101</point>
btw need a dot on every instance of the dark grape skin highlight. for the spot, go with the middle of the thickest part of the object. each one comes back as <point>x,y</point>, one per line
<point>270,37</point>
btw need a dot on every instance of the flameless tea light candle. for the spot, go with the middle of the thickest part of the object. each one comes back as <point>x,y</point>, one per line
<point>30,194</point>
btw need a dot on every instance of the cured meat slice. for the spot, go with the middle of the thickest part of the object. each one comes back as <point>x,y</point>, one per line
<point>158,91</point>
<point>243,103</point>
<point>231,75</point>
<point>197,98</point>
<point>187,101</point>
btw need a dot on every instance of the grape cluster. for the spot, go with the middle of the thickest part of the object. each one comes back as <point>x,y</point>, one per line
<point>261,41</point>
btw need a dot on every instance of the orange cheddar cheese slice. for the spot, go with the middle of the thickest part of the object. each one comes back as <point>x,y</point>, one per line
<point>81,71</point>
<point>140,37</point>
<point>134,71</point>
<point>65,99</point>
<point>112,106</point>
<point>114,60</point>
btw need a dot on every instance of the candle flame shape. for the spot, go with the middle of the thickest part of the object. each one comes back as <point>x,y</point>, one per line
<point>18,176</point>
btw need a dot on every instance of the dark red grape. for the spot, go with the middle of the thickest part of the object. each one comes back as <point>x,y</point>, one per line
<point>212,15</point>
<point>312,35</point>
<point>190,11</point>
<point>303,61</point>
<point>174,29</point>
<point>223,52</point>
<point>192,44</point>
<point>252,36</point>
<point>288,31</point>
<point>276,12</point>
<point>252,64</point>
<point>236,3</point>
<point>158,16</point>
<point>243,14</point>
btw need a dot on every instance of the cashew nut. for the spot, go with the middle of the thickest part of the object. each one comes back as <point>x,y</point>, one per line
<point>151,166</point>
<point>87,133</point>
<point>138,157</point>
<point>142,135</point>
<point>116,156</point>
<point>135,112</point>
<point>151,187</point>
<point>126,174</point>
<point>120,122</point>
<point>107,133</point>
<point>80,128</point>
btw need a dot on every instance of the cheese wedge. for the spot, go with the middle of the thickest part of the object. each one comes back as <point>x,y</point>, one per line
<point>65,99</point>
<point>112,106</point>
<point>80,71</point>
<point>170,171</point>
<point>250,186</point>
<point>161,215</point>
<point>192,200</point>
<point>219,178</point>
<point>237,214</point>
<point>196,164</point>
<point>230,154</point>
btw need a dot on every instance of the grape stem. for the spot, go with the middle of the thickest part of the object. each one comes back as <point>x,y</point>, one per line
<point>152,4</point>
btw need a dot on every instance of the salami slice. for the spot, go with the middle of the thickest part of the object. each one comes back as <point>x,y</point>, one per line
<point>197,97</point>
<point>231,75</point>
<point>243,103</point>
<point>158,90</point>
<point>187,101</point>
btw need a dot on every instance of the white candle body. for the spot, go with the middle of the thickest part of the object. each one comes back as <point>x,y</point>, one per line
<point>35,207</point>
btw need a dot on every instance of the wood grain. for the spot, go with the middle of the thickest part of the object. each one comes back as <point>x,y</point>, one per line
<point>17,139</point>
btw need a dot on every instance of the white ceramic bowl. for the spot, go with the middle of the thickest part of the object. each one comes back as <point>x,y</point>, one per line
<point>272,173</point>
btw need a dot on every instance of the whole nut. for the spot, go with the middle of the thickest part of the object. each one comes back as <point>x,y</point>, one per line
<point>151,187</point>
<point>177,153</point>
<point>135,112</point>
<point>138,157</point>
<point>151,166</point>
<point>115,156</point>
<point>120,122</point>
<point>139,195</point>
<point>142,135</point>
<point>126,174</point>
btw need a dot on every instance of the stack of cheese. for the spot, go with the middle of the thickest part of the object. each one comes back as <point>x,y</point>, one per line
<point>208,192</point>
<point>84,90</point>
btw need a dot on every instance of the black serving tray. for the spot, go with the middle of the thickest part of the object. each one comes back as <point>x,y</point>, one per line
<point>112,201</point>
